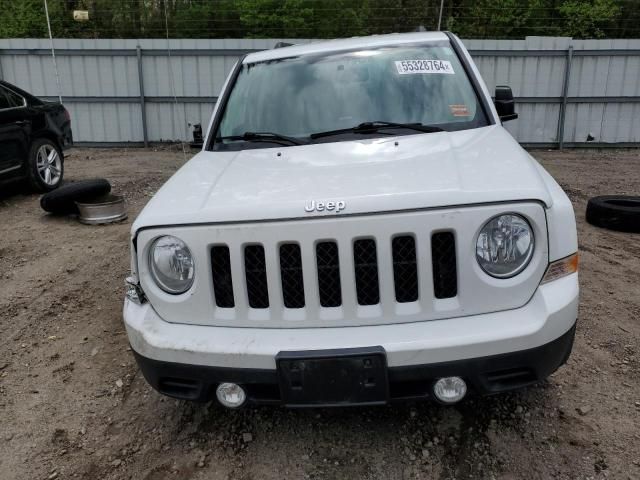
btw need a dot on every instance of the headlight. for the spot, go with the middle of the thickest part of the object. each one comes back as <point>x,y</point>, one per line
<point>171,264</point>
<point>505,246</point>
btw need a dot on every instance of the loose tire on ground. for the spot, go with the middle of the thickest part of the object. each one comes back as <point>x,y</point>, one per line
<point>615,212</point>
<point>46,165</point>
<point>63,200</point>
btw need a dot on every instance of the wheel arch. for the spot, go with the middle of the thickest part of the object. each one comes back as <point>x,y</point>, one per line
<point>49,135</point>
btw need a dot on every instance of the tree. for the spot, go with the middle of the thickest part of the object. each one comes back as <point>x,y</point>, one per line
<point>499,18</point>
<point>588,19</point>
<point>22,19</point>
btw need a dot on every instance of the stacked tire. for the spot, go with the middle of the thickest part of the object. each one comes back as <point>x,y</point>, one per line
<point>62,201</point>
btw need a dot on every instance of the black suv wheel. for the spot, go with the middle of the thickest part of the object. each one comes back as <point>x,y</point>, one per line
<point>46,165</point>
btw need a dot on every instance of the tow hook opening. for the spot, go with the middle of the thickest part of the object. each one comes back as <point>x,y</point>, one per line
<point>134,291</point>
<point>183,388</point>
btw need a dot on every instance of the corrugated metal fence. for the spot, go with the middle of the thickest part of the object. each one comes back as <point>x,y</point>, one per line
<point>571,92</point>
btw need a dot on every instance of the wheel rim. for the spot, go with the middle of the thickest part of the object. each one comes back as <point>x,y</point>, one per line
<point>49,165</point>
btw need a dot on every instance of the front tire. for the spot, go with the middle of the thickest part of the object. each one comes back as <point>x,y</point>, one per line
<point>46,165</point>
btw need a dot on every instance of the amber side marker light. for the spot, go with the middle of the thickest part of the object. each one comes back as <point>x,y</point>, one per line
<point>561,268</point>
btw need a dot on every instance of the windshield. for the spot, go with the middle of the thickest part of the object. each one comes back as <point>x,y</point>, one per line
<point>302,96</point>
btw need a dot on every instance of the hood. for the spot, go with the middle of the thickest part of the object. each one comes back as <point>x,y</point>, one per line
<point>372,175</point>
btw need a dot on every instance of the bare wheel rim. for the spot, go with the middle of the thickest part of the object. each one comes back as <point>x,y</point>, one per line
<point>49,165</point>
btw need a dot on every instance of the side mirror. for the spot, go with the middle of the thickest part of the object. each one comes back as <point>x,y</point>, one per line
<point>505,105</point>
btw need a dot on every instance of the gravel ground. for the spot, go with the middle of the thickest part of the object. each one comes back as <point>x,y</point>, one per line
<point>73,404</point>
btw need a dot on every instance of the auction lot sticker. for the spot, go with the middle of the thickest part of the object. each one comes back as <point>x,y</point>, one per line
<point>406,67</point>
<point>459,110</point>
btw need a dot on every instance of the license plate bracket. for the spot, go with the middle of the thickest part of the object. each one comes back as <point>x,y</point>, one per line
<point>356,376</point>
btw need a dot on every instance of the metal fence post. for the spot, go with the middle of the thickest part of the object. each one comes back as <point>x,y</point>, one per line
<point>143,109</point>
<point>565,93</point>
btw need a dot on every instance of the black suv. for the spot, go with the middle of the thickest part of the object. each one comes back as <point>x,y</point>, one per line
<point>33,134</point>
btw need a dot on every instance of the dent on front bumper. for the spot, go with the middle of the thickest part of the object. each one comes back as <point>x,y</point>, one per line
<point>550,313</point>
<point>495,351</point>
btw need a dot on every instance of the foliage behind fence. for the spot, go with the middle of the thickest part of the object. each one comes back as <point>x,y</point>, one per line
<point>319,18</point>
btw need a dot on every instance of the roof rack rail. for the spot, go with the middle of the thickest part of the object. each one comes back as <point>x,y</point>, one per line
<point>282,44</point>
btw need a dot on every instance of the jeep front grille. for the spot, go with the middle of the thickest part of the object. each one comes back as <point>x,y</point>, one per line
<point>343,270</point>
<point>326,269</point>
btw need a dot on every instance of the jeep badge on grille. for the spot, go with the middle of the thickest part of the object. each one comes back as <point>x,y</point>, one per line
<point>313,206</point>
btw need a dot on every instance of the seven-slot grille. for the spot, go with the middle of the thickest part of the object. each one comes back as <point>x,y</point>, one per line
<point>366,266</point>
<point>306,273</point>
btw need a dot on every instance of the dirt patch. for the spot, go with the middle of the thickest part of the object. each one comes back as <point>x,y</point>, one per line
<point>73,405</point>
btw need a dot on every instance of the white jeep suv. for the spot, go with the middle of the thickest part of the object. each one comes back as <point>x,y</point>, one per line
<point>359,228</point>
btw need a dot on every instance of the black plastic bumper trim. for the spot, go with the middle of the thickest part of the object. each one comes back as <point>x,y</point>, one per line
<point>484,375</point>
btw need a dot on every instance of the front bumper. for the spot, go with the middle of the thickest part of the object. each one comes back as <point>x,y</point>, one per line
<point>493,352</point>
<point>484,376</point>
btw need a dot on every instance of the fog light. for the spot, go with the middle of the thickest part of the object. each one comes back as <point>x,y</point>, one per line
<point>231,395</point>
<point>450,389</point>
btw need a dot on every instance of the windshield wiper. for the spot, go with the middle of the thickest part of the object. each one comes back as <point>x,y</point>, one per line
<point>373,127</point>
<point>264,137</point>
